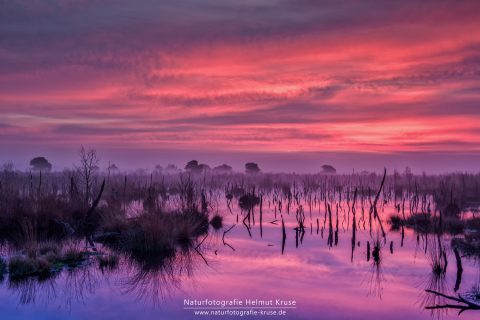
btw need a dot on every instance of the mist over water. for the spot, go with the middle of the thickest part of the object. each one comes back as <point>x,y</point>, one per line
<point>358,246</point>
<point>299,162</point>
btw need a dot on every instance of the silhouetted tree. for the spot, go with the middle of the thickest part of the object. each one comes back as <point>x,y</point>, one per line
<point>88,167</point>
<point>171,167</point>
<point>192,165</point>
<point>408,172</point>
<point>328,169</point>
<point>251,167</point>
<point>203,167</point>
<point>224,168</point>
<point>40,164</point>
<point>8,167</point>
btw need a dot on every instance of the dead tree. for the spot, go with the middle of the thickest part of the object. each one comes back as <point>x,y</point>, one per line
<point>460,304</point>
<point>90,221</point>
<point>88,167</point>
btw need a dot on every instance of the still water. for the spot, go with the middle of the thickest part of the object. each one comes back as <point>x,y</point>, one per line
<point>333,278</point>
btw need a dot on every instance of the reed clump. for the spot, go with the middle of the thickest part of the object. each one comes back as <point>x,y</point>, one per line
<point>426,223</point>
<point>157,232</point>
<point>217,222</point>
<point>396,222</point>
<point>438,257</point>
<point>73,257</point>
<point>248,201</point>
<point>44,260</point>
<point>25,266</point>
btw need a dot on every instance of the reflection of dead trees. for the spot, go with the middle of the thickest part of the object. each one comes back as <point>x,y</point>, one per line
<point>368,251</point>
<point>326,211</point>
<point>223,237</point>
<point>354,225</point>
<point>376,252</point>
<point>458,280</point>
<point>403,224</point>
<point>460,303</point>
<point>229,198</point>
<point>198,246</point>
<point>300,229</point>
<point>370,218</point>
<point>330,227</point>
<point>362,218</point>
<point>336,227</point>
<point>247,225</point>
<point>403,237</point>
<point>376,276</point>
<point>284,235</point>
<point>261,216</point>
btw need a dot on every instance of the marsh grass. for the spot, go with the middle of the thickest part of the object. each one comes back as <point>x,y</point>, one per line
<point>426,223</point>
<point>108,261</point>
<point>43,261</point>
<point>468,245</point>
<point>73,257</point>
<point>156,233</point>
<point>24,266</point>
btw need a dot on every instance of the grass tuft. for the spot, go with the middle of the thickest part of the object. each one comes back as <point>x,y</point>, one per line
<point>24,266</point>
<point>217,222</point>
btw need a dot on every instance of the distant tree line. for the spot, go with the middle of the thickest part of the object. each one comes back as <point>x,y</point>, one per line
<point>89,162</point>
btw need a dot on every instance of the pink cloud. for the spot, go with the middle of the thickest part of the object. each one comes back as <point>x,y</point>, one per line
<point>235,77</point>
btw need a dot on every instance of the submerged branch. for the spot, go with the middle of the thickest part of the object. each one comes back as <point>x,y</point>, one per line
<point>223,237</point>
<point>467,305</point>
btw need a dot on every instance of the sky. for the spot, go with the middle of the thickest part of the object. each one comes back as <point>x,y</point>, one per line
<point>289,84</point>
